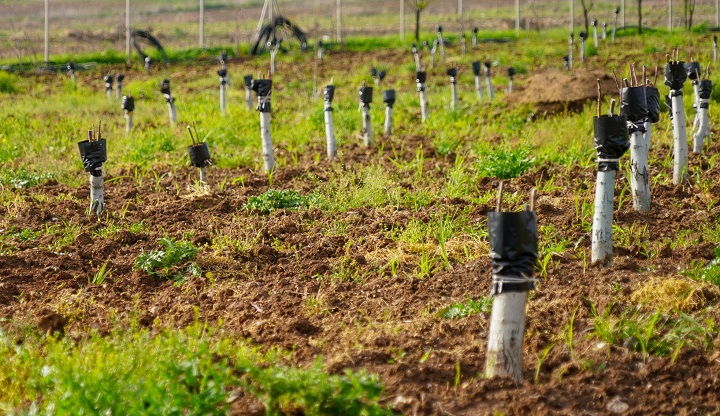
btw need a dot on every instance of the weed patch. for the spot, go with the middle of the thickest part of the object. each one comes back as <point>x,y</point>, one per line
<point>274,199</point>
<point>171,263</point>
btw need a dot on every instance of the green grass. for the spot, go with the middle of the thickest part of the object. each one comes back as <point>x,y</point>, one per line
<point>274,199</point>
<point>706,273</point>
<point>653,332</point>
<point>173,262</point>
<point>195,370</point>
<point>467,308</point>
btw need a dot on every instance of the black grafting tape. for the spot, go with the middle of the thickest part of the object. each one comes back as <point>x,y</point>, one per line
<point>634,104</point>
<point>476,68</point>
<point>675,75</point>
<point>248,79</point>
<point>263,87</point>
<point>652,96</point>
<point>705,89</point>
<point>513,247</point>
<point>329,93</point>
<point>199,155</point>
<point>165,87</point>
<point>222,72</point>
<point>451,72</point>
<point>692,69</point>
<point>611,140</point>
<point>366,95</point>
<point>128,103</point>
<point>93,154</point>
<point>511,72</point>
<point>389,97</point>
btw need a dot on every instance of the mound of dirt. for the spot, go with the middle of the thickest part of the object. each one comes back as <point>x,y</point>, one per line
<point>553,91</point>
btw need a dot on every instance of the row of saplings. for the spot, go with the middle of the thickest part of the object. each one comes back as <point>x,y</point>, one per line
<point>513,235</point>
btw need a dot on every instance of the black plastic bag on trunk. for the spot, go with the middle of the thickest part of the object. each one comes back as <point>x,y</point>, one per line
<point>611,141</point>
<point>692,69</point>
<point>675,75</point>
<point>263,89</point>
<point>513,249</point>
<point>199,155</point>
<point>634,104</point>
<point>93,155</point>
<point>652,96</point>
<point>705,89</point>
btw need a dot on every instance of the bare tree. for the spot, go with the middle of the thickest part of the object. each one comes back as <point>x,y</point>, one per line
<point>418,6</point>
<point>688,10</point>
<point>639,17</point>
<point>587,7</point>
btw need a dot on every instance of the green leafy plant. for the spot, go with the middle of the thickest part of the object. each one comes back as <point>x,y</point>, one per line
<point>101,275</point>
<point>467,308</point>
<point>170,263</point>
<point>653,333</point>
<point>504,164</point>
<point>709,273</point>
<point>274,199</point>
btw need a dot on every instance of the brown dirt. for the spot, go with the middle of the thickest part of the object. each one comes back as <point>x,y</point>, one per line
<point>279,290</point>
<point>552,91</point>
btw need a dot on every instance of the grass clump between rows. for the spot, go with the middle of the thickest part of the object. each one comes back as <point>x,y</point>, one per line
<point>194,371</point>
<point>653,332</point>
<point>467,308</point>
<point>174,262</point>
<point>274,199</point>
<point>709,273</point>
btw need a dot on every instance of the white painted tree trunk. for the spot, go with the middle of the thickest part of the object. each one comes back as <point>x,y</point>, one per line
<point>595,36</point>
<point>478,87</point>
<point>488,84</point>
<point>703,128</point>
<point>367,126</point>
<point>273,53</point>
<point>223,88</point>
<point>417,61</point>
<point>249,98</point>
<point>171,109</point>
<point>648,131</point>
<point>603,218</point>
<point>424,111</point>
<point>203,177</point>
<point>268,154</point>
<point>640,178</point>
<point>505,336</point>
<point>441,42</point>
<point>388,121</point>
<point>680,145</point>
<point>97,194</point>
<point>330,133</point>
<point>453,95</point>
<point>510,85</point>
<point>582,50</point>
<point>570,52</point>
<point>715,51</point>
<point>128,122</point>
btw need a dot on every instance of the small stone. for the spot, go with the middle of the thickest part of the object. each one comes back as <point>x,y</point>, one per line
<point>617,406</point>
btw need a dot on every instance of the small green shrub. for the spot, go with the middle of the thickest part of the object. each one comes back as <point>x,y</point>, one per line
<point>274,199</point>
<point>22,178</point>
<point>8,83</point>
<point>463,309</point>
<point>653,333</point>
<point>191,371</point>
<point>709,273</point>
<point>170,263</point>
<point>504,164</point>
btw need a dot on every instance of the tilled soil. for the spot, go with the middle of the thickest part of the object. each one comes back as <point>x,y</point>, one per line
<point>277,284</point>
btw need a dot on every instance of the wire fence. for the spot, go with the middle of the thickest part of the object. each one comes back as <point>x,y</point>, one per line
<point>83,26</point>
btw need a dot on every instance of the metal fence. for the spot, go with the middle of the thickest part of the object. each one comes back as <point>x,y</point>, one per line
<point>82,26</point>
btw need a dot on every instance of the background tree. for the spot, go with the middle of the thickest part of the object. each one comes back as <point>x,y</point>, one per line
<point>639,17</point>
<point>587,7</point>
<point>688,10</point>
<point>418,6</point>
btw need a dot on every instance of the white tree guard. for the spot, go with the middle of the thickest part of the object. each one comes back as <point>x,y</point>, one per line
<point>603,218</point>
<point>505,336</point>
